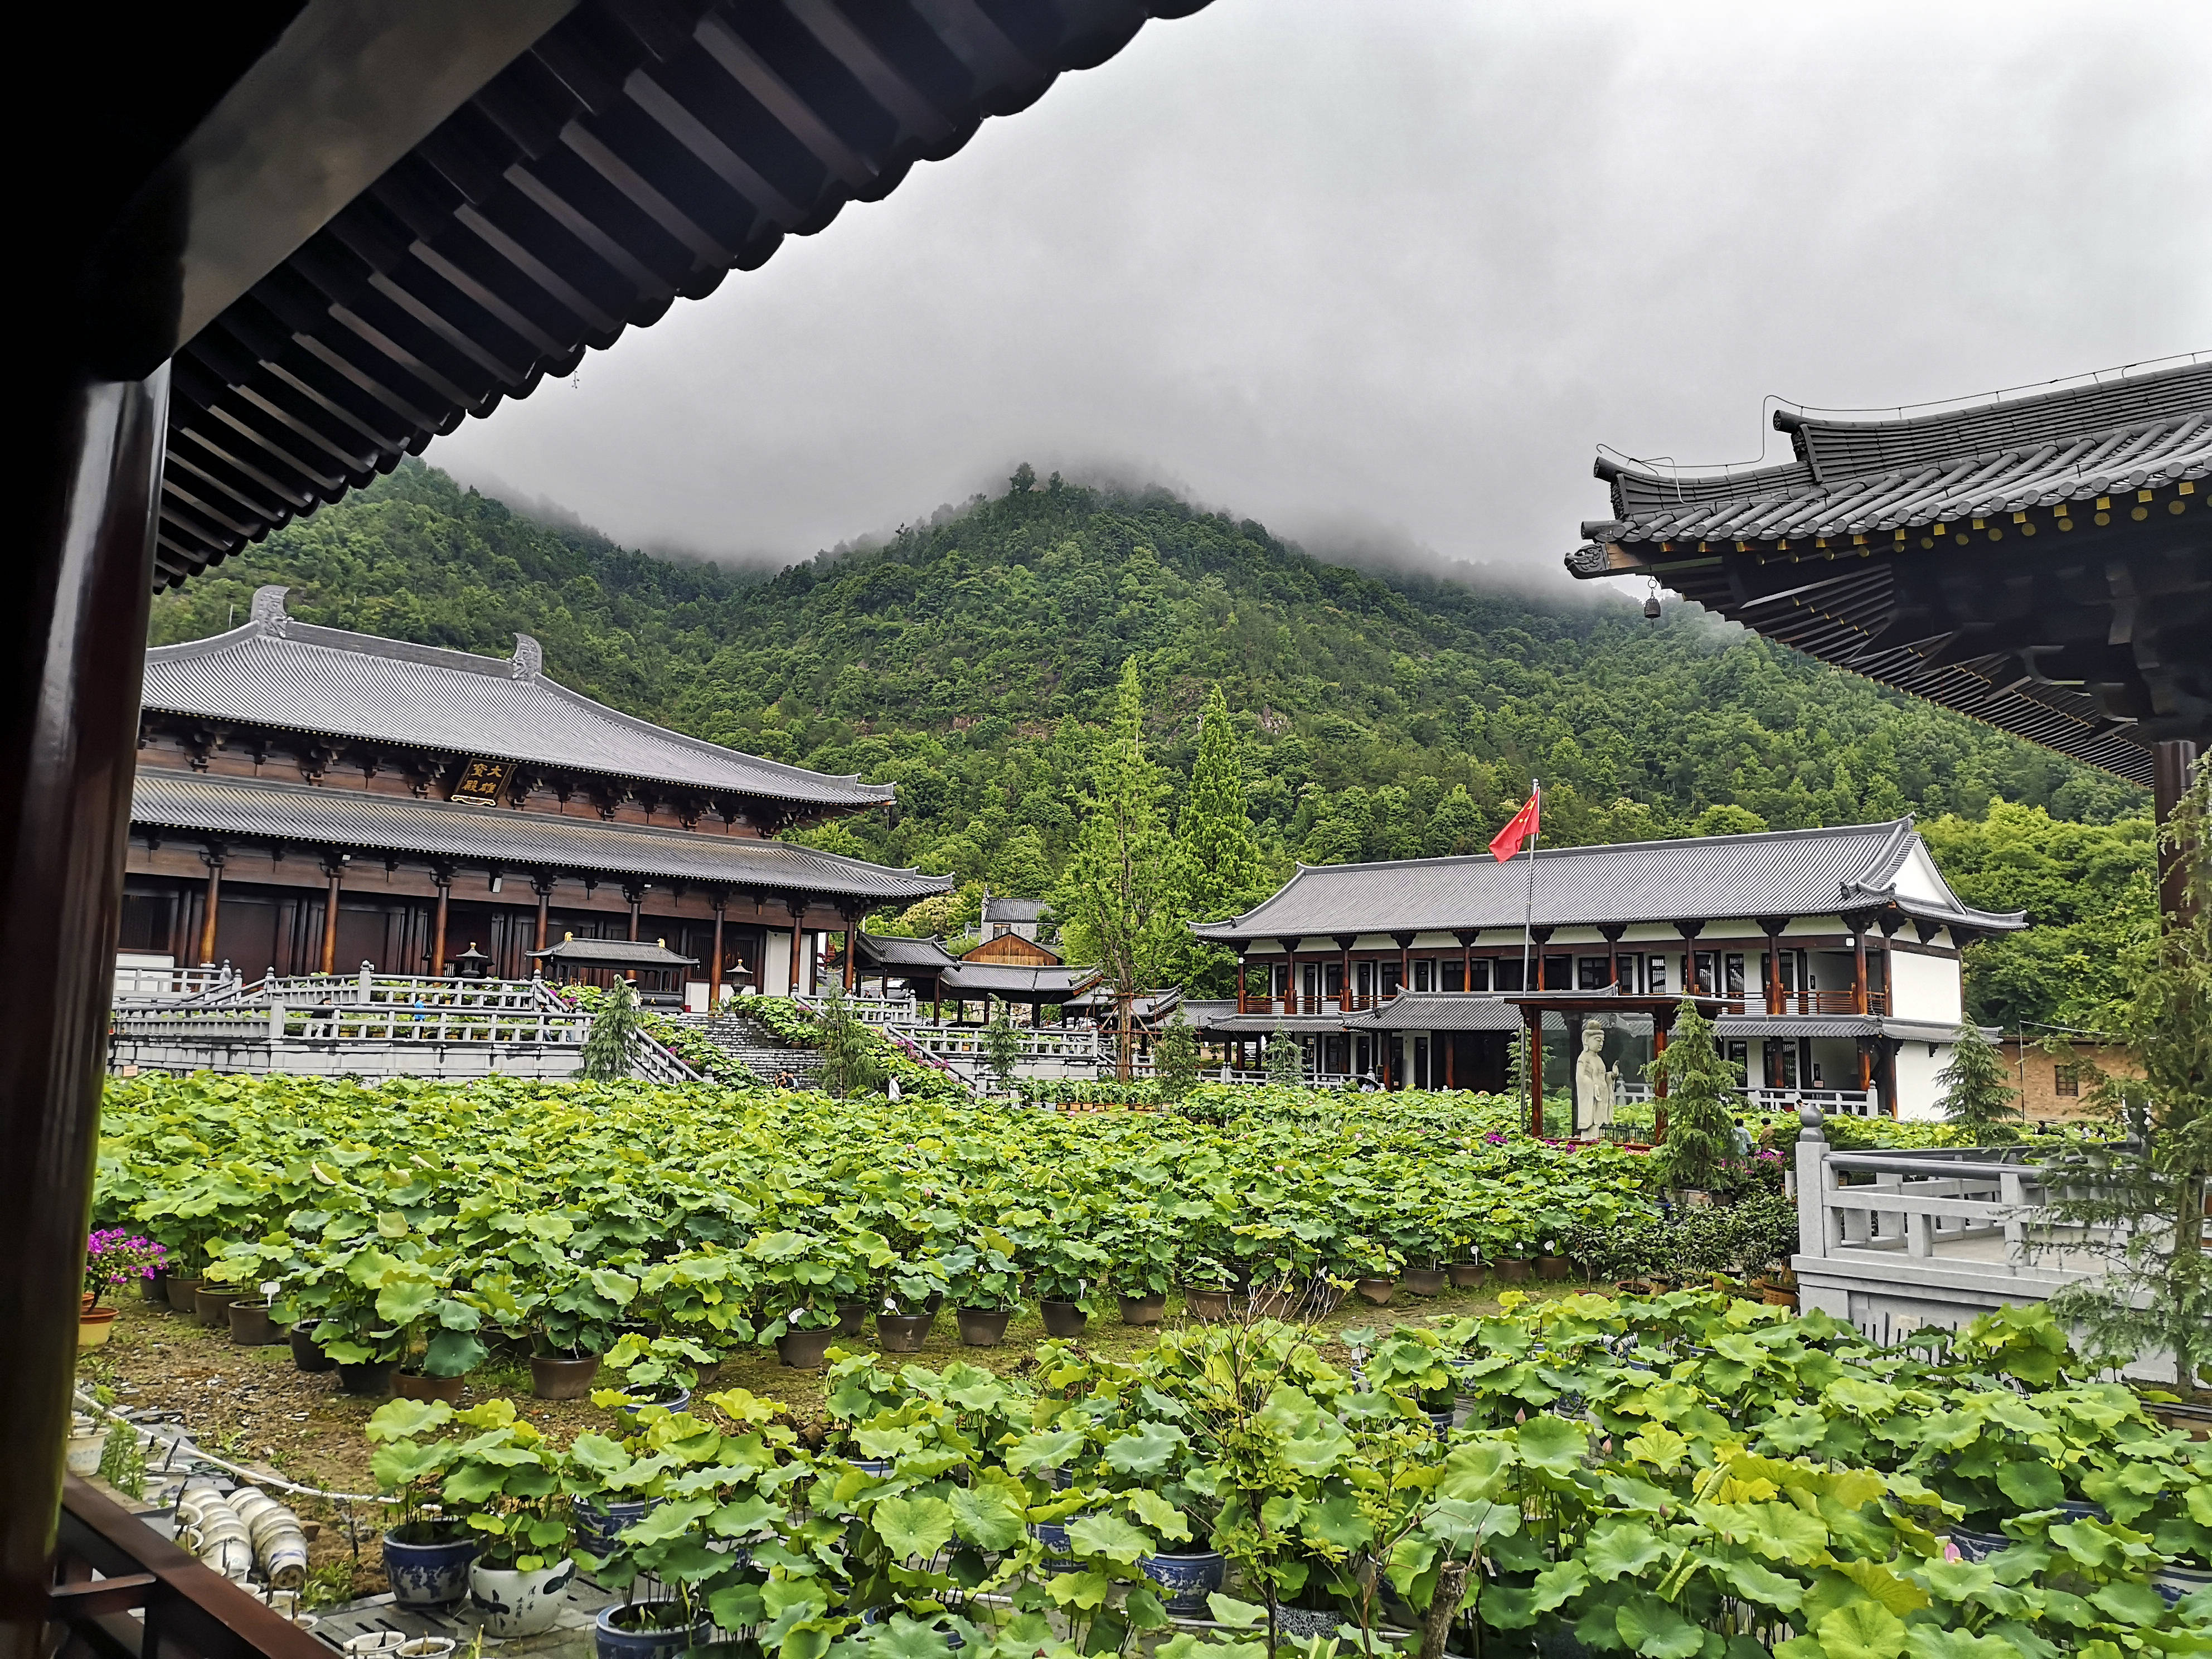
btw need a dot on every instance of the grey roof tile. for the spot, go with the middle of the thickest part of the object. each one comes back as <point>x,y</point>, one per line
<point>1854,477</point>
<point>295,676</point>
<point>1780,873</point>
<point>306,815</point>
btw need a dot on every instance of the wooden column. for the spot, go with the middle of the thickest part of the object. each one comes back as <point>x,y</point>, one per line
<point>1772,928</point>
<point>853,952</point>
<point>1612,931</point>
<point>328,957</point>
<point>212,858</point>
<point>1344,944</point>
<point>1240,982</point>
<point>445,878</point>
<point>86,462</point>
<point>543,886</point>
<point>1405,944</point>
<point>635,895</point>
<point>714,962</point>
<point>1689,930</point>
<point>798,909</point>
<point>1660,1024</point>
<point>1467,961</point>
<point>1290,975</point>
<point>1859,1002</point>
<point>2173,765</point>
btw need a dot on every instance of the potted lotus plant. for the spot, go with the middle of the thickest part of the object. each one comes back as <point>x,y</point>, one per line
<point>504,1484</point>
<point>427,1552</point>
<point>568,1314</point>
<point>984,1286</point>
<point>799,1278</point>
<point>1067,1268</point>
<point>113,1257</point>
<point>1139,1244</point>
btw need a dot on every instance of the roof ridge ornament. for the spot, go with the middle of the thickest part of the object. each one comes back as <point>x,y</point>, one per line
<point>268,607</point>
<point>529,657</point>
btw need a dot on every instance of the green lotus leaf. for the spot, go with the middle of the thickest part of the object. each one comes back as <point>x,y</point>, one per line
<point>1652,1628</point>
<point>914,1526</point>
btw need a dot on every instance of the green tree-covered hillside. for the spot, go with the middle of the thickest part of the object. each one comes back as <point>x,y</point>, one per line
<point>973,660</point>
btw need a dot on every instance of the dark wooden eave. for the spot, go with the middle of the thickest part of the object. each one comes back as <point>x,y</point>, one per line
<point>2045,566</point>
<point>634,153</point>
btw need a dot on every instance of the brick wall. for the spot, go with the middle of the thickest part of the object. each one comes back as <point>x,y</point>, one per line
<point>2042,1087</point>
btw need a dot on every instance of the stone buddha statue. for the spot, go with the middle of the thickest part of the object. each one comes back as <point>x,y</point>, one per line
<point>1596,1088</point>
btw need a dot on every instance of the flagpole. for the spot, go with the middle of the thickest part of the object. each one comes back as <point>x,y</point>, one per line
<point>1529,910</point>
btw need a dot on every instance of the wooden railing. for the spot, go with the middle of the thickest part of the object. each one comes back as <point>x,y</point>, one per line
<point>122,1591</point>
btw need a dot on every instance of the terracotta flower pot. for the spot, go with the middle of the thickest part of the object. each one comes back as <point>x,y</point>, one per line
<point>903,1333</point>
<point>983,1327</point>
<point>805,1349</point>
<point>1205,1304</point>
<point>1376,1291</point>
<point>558,1377</point>
<point>413,1385</point>
<point>211,1304</point>
<point>1513,1269</point>
<point>250,1326</point>
<point>1464,1275</point>
<point>1143,1310</point>
<point>1550,1266</point>
<point>1425,1281</point>
<point>1063,1318</point>
<point>182,1293</point>
<point>94,1326</point>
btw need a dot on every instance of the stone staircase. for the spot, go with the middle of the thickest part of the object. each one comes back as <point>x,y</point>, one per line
<point>746,1042</point>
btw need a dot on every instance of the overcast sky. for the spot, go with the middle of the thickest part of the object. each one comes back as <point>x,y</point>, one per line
<point>1387,271</point>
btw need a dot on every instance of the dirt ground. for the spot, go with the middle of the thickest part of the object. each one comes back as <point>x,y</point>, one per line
<point>254,1407</point>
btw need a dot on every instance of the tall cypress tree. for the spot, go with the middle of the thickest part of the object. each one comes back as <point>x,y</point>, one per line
<point>1701,1085</point>
<point>1118,899</point>
<point>1975,1095</point>
<point>1223,869</point>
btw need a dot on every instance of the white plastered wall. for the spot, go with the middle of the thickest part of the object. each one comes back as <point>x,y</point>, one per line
<point>1918,1094</point>
<point>1925,988</point>
<point>776,971</point>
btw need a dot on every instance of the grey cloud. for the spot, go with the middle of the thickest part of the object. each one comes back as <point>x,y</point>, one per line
<point>1384,272</point>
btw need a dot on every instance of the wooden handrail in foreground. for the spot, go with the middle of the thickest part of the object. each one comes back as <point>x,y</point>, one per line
<point>190,1609</point>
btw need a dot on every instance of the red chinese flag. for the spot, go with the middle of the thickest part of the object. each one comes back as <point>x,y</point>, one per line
<point>1508,841</point>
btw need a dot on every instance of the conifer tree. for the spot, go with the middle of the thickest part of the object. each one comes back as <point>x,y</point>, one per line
<point>1176,1055</point>
<point>848,1059</point>
<point>1701,1085</point>
<point>1975,1096</point>
<point>606,1050</point>
<point>1286,1061</point>
<point>1117,901</point>
<point>1223,869</point>
<point>1002,1048</point>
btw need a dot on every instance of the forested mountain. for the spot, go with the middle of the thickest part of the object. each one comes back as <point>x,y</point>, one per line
<point>972,661</point>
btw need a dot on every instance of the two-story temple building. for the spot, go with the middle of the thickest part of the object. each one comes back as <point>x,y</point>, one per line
<point>309,799</point>
<point>1836,953</point>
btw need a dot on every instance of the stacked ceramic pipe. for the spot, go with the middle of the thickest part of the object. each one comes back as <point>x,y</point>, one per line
<point>246,1529</point>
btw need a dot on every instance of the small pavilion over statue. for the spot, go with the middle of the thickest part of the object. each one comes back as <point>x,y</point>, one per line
<point>2042,563</point>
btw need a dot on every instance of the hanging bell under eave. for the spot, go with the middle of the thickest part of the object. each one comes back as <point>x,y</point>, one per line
<point>1651,606</point>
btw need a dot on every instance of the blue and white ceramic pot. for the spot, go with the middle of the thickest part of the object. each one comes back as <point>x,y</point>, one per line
<point>616,1641</point>
<point>1185,1581</point>
<point>428,1575</point>
<point>597,1525</point>
<point>514,1603</point>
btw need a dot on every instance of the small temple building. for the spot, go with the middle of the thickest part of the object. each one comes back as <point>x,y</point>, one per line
<point>1831,957</point>
<point>310,799</point>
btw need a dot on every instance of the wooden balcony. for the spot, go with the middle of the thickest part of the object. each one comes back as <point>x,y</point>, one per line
<point>123,1591</point>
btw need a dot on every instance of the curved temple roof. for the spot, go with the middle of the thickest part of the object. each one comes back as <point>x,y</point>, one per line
<point>293,675</point>
<point>633,155</point>
<point>2039,563</point>
<point>1785,872</point>
<point>304,815</point>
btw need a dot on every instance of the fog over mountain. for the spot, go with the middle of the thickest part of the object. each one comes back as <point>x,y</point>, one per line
<point>1383,273</point>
